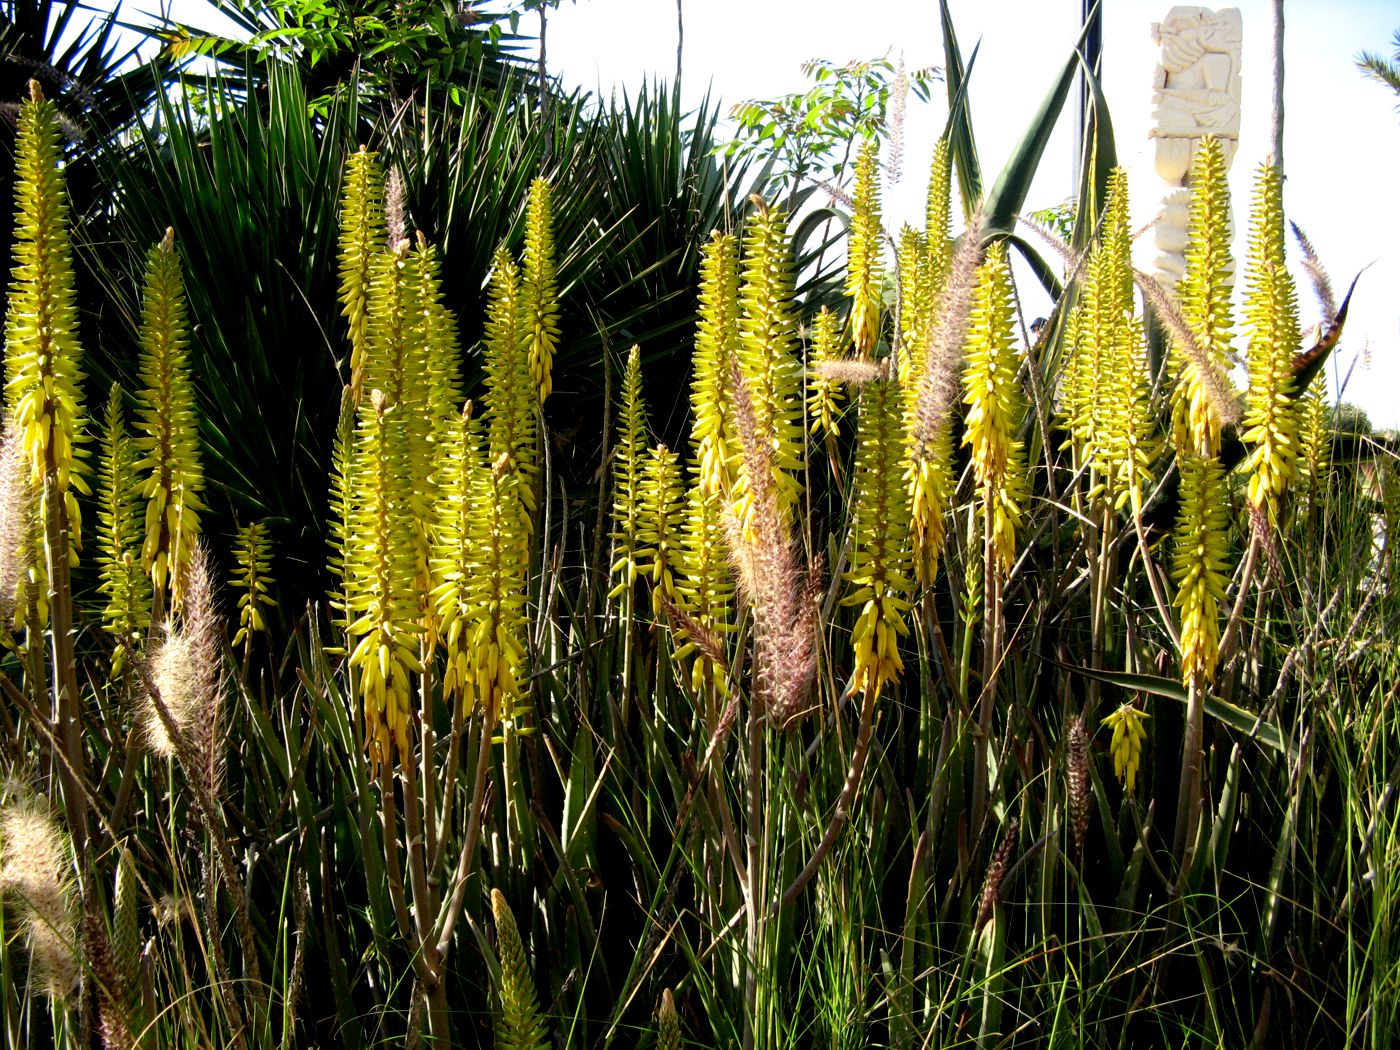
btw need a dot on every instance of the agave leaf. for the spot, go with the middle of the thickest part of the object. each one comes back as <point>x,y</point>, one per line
<point>959,132</point>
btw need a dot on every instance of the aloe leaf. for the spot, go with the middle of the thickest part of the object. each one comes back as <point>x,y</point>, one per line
<point>1256,727</point>
<point>959,131</point>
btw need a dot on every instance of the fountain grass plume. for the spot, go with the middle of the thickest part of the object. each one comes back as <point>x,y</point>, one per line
<point>34,868</point>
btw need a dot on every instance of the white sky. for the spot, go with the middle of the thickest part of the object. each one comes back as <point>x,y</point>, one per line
<point>1342,131</point>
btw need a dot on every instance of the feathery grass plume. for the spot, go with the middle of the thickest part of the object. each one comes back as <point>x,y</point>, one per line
<point>362,236</point>
<point>1077,781</point>
<point>1199,563</point>
<point>865,252</point>
<point>881,560</point>
<point>1108,396</point>
<point>996,874</point>
<point>43,360</point>
<point>1126,746</point>
<point>168,424</point>
<point>460,462</point>
<point>668,1034</point>
<point>510,387</point>
<point>36,871</point>
<point>185,672</point>
<point>1202,364</point>
<point>17,513</point>
<point>767,336</point>
<point>716,354</point>
<point>520,1026</point>
<point>1317,274</point>
<point>630,452</point>
<point>539,292</point>
<point>252,550</point>
<point>915,303</point>
<point>126,923</point>
<point>395,207</point>
<point>823,389</point>
<point>995,407</point>
<point>127,590</point>
<point>704,584</point>
<point>1315,437</point>
<point>659,532</point>
<point>1271,311</point>
<point>766,562</point>
<point>107,981</point>
<point>380,576</point>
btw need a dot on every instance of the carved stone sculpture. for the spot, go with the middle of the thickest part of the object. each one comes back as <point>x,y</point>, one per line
<point>1196,93</point>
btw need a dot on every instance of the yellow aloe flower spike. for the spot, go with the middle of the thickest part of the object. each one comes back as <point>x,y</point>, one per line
<point>767,338</point>
<point>881,561</point>
<point>126,616</point>
<point>519,1025</point>
<point>658,536</point>
<point>1107,398</point>
<point>823,391</point>
<point>1315,442</point>
<point>716,355</point>
<point>705,585</point>
<point>510,391</point>
<point>539,289</point>
<point>865,252</point>
<point>1199,563</point>
<point>380,577</point>
<point>915,304</point>
<point>362,237</point>
<point>995,409</point>
<point>43,360</point>
<point>1126,746</point>
<point>169,425</point>
<point>1271,311</point>
<point>1204,296</point>
<point>252,551</point>
<point>628,471</point>
<point>455,562</point>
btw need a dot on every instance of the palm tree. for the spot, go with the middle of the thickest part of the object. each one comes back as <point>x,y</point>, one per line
<point>1385,70</point>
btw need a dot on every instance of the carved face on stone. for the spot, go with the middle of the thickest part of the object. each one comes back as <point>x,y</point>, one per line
<point>1188,33</point>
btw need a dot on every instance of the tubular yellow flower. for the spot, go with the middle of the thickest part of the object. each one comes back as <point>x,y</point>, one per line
<point>1108,398</point>
<point>1315,443</point>
<point>705,586</point>
<point>455,562</point>
<point>823,391</point>
<point>1271,309</point>
<point>362,237</point>
<point>915,305</point>
<point>865,252</point>
<point>880,555</point>
<point>1204,296</point>
<point>628,476</point>
<point>1199,563</point>
<point>716,355</point>
<point>767,336</point>
<point>252,550</point>
<point>658,535</point>
<point>1126,746</point>
<point>380,577</point>
<point>497,640</point>
<point>510,389</point>
<point>539,291</point>
<point>43,373</point>
<point>938,229</point>
<point>127,614</point>
<point>341,481</point>
<point>169,424</point>
<point>994,406</point>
